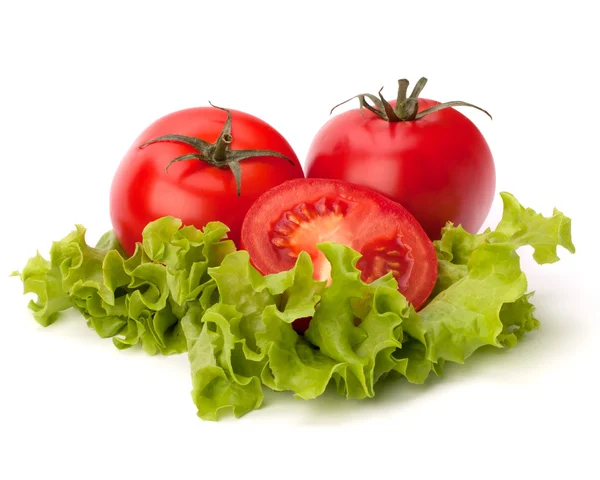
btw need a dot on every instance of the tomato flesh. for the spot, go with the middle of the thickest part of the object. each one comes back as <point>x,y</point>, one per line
<point>299,214</point>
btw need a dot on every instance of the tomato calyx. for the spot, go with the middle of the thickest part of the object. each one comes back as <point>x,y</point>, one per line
<point>218,154</point>
<point>406,108</point>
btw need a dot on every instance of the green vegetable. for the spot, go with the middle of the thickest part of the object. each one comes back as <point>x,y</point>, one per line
<point>189,290</point>
<point>140,299</point>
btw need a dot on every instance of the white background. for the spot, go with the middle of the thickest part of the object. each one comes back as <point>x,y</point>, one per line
<point>80,81</point>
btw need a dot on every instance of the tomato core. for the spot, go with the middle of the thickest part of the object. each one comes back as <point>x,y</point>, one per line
<point>305,225</point>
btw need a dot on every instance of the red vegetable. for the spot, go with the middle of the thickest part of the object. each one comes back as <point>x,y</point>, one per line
<point>299,214</point>
<point>429,158</point>
<point>174,168</point>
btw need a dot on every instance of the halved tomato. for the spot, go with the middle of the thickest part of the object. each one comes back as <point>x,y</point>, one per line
<point>299,214</point>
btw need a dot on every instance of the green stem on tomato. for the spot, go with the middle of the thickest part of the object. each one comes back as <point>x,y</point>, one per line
<point>218,154</point>
<point>406,109</point>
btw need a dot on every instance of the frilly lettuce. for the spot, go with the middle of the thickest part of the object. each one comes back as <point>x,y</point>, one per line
<point>189,290</point>
<point>134,300</point>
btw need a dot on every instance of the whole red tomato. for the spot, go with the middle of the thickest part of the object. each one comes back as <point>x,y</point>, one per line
<point>200,165</point>
<point>422,154</point>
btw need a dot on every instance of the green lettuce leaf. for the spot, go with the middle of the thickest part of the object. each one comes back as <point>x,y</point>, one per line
<point>135,300</point>
<point>189,290</point>
<point>248,338</point>
<point>481,297</point>
<point>358,324</point>
<point>360,333</point>
<point>219,376</point>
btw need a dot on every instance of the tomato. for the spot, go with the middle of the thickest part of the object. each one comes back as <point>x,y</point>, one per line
<point>299,214</point>
<point>203,186</point>
<point>439,166</point>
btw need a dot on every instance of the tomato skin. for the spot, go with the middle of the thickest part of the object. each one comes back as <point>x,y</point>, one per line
<point>440,168</point>
<point>344,213</point>
<point>194,191</point>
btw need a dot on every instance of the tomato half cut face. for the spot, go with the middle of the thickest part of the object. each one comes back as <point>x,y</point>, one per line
<point>299,214</point>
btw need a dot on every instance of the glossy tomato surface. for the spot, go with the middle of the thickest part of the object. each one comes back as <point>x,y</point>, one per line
<point>299,214</point>
<point>439,167</point>
<point>194,191</point>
